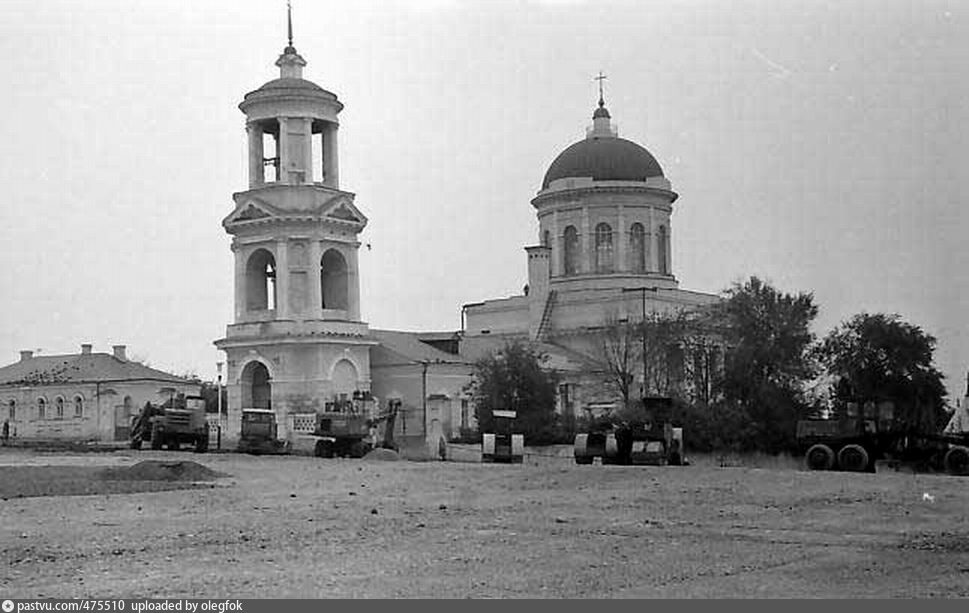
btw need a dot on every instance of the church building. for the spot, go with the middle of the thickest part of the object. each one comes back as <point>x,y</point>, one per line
<point>297,341</point>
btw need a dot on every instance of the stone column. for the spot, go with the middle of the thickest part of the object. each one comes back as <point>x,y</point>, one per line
<point>331,163</point>
<point>557,246</point>
<point>282,279</point>
<point>257,173</point>
<point>586,260</point>
<point>314,298</point>
<point>622,235</point>
<point>308,150</point>
<point>282,150</point>
<point>669,247</point>
<point>353,283</point>
<point>240,282</point>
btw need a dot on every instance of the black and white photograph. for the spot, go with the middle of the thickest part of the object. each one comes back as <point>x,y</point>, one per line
<point>490,299</point>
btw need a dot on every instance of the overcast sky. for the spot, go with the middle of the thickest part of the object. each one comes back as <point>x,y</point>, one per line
<point>819,145</point>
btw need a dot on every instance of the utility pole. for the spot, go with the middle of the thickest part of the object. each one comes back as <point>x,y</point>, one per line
<point>642,291</point>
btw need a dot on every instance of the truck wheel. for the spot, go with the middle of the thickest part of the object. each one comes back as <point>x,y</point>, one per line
<point>957,461</point>
<point>201,445</point>
<point>583,459</point>
<point>853,458</point>
<point>136,443</point>
<point>173,444</point>
<point>156,443</point>
<point>323,449</point>
<point>819,457</point>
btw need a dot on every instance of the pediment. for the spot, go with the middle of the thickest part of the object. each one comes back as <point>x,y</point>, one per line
<point>342,209</point>
<point>250,210</point>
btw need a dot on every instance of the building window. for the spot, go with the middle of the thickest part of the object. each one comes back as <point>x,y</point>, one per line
<point>603,248</point>
<point>464,413</point>
<point>637,247</point>
<point>78,406</point>
<point>59,408</point>
<point>41,408</point>
<point>662,249</point>
<point>13,409</point>
<point>565,400</point>
<point>570,253</point>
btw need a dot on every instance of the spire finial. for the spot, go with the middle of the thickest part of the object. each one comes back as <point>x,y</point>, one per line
<point>600,79</point>
<point>289,21</point>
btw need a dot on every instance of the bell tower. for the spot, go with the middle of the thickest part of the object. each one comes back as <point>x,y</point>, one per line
<point>297,340</point>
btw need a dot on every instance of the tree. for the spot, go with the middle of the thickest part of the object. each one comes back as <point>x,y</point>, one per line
<point>881,357</point>
<point>768,359</point>
<point>513,378</point>
<point>621,352</point>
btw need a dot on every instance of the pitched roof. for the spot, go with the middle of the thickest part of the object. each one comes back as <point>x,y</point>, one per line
<point>474,348</point>
<point>80,368</point>
<point>395,345</point>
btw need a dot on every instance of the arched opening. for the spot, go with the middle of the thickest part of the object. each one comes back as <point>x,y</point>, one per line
<point>59,407</point>
<point>41,408</point>
<point>570,251</point>
<point>261,281</point>
<point>333,280</point>
<point>603,248</point>
<point>256,387</point>
<point>78,406</point>
<point>344,379</point>
<point>13,410</point>
<point>662,251</point>
<point>637,248</point>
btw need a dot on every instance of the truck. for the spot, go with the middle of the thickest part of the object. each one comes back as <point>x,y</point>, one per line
<point>869,431</point>
<point>348,427</point>
<point>649,440</point>
<point>258,433</point>
<point>504,444</point>
<point>182,421</point>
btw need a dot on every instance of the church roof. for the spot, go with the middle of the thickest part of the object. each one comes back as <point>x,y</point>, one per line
<point>290,84</point>
<point>80,368</point>
<point>604,158</point>
<point>408,346</point>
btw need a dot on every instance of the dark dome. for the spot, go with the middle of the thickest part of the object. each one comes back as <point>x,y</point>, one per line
<point>604,159</point>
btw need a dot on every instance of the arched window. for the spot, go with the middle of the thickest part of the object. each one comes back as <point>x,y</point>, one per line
<point>637,248</point>
<point>59,407</point>
<point>78,406</point>
<point>261,281</point>
<point>570,251</point>
<point>333,280</point>
<point>662,251</point>
<point>41,408</point>
<point>603,248</point>
<point>13,409</point>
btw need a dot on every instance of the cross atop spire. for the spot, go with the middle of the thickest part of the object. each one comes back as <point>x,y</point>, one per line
<point>600,79</point>
<point>289,28</point>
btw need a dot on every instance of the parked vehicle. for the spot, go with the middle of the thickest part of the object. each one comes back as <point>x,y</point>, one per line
<point>181,422</point>
<point>259,433</point>
<point>869,431</point>
<point>650,441</point>
<point>504,444</point>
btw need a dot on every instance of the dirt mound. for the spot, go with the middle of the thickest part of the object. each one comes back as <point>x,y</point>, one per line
<point>154,470</point>
<point>383,455</point>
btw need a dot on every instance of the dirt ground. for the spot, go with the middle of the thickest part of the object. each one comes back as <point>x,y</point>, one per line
<point>307,527</point>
